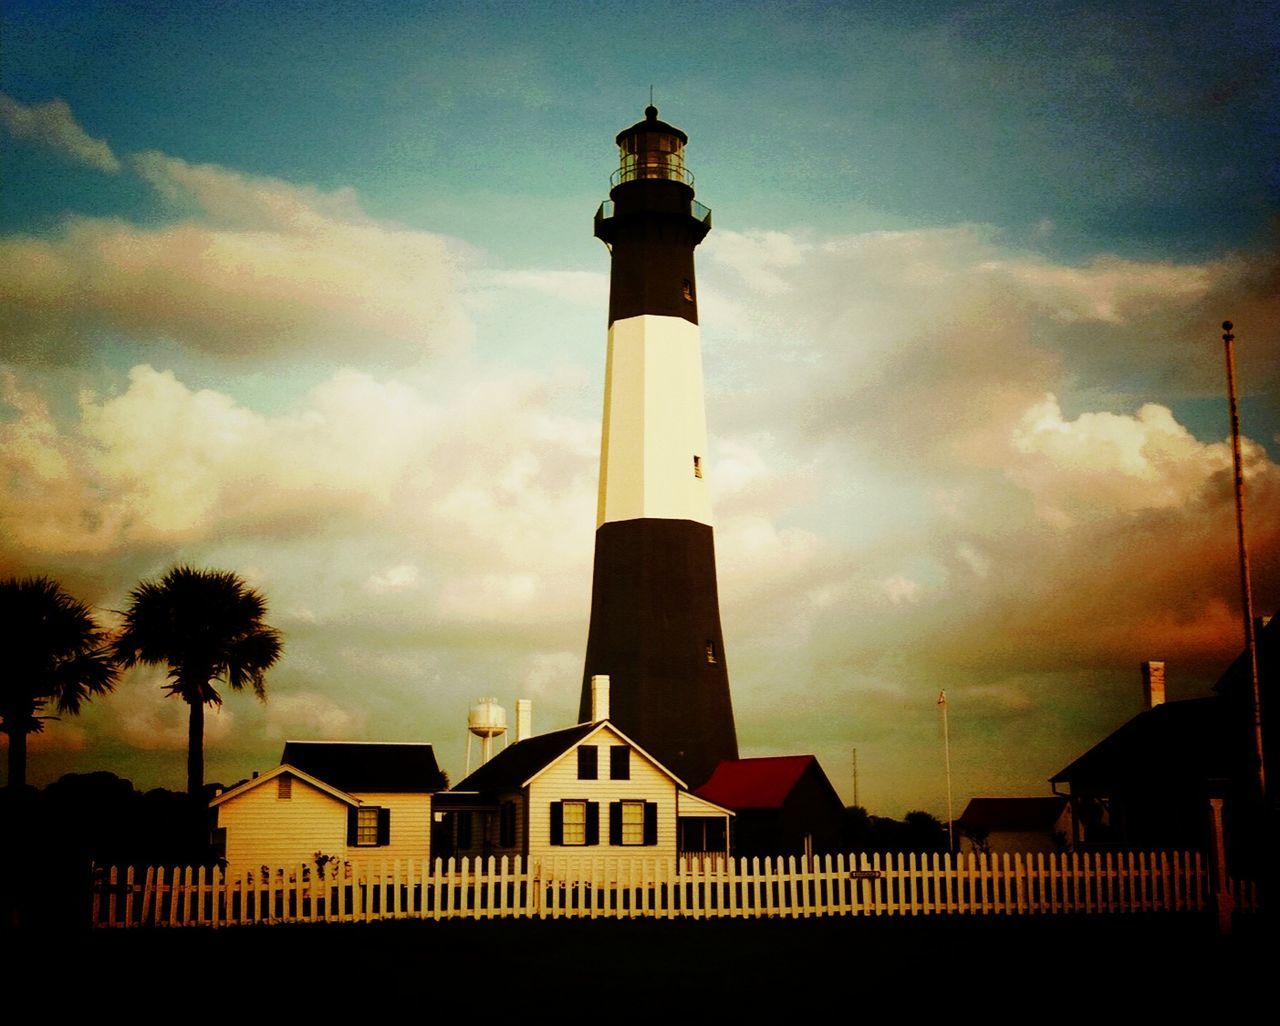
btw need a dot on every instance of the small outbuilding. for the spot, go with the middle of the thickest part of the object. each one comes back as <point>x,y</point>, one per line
<point>1016,824</point>
<point>782,805</point>
<point>343,800</point>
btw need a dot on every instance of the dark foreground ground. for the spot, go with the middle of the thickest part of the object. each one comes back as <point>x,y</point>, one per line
<point>943,968</point>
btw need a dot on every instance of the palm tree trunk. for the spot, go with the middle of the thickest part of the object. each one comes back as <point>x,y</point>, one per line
<point>17,760</point>
<point>195,752</point>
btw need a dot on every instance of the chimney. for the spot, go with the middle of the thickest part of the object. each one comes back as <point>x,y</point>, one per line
<point>1152,683</point>
<point>599,697</point>
<point>524,719</point>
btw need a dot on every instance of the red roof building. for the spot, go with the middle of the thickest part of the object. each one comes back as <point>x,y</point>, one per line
<point>784,805</point>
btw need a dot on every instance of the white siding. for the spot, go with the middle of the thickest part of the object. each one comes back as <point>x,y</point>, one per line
<point>560,782</point>
<point>410,827</point>
<point>264,830</point>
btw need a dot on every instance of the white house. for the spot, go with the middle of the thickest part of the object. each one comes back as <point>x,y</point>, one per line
<point>1016,824</point>
<point>585,791</point>
<point>346,800</point>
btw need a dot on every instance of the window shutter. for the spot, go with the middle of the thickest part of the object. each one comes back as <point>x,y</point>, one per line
<point>650,822</point>
<point>353,826</point>
<point>557,823</point>
<point>615,822</point>
<point>619,762</point>
<point>384,826</point>
<point>588,762</point>
<point>593,822</point>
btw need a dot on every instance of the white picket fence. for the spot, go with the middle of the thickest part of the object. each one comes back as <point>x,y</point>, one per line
<point>840,885</point>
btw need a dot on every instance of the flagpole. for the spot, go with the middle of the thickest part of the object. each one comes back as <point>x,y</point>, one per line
<point>946,748</point>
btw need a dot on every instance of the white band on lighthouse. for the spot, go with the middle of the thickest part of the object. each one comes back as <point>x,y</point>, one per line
<point>654,443</point>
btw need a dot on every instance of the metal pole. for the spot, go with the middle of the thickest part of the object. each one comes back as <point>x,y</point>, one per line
<point>946,748</point>
<point>1246,586</point>
<point>855,776</point>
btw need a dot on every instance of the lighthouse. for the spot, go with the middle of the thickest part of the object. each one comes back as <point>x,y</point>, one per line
<point>655,612</point>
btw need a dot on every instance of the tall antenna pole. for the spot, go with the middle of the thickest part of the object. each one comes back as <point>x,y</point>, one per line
<point>855,776</point>
<point>1246,585</point>
<point>946,748</point>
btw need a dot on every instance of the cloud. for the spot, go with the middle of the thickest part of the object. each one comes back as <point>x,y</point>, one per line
<point>310,714</point>
<point>143,715</point>
<point>253,268</point>
<point>53,125</point>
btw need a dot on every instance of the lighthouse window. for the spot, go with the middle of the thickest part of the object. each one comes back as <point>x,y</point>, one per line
<point>697,466</point>
<point>688,291</point>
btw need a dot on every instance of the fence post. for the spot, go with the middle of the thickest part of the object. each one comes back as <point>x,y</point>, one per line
<point>1223,900</point>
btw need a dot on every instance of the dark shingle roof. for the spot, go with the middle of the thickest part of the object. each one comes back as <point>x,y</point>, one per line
<point>1185,739</point>
<point>512,766</point>
<point>353,766</point>
<point>1039,813</point>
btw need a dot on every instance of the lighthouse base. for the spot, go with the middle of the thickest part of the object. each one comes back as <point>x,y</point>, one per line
<point>655,630</point>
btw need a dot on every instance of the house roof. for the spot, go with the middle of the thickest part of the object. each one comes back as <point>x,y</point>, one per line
<point>1040,813</point>
<point>293,771</point>
<point>514,767</point>
<point>763,783</point>
<point>511,767</point>
<point>1183,739</point>
<point>354,766</point>
<point>1237,675</point>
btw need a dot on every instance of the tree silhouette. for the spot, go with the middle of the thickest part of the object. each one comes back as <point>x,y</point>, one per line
<point>207,626</point>
<point>54,653</point>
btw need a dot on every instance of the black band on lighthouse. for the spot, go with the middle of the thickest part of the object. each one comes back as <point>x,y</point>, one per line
<point>655,613</point>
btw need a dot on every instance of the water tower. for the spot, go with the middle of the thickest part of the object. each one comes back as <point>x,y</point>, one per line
<point>486,720</point>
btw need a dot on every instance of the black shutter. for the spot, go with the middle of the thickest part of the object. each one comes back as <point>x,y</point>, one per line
<point>593,822</point>
<point>650,822</point>
<point>588,762</point>
<point>353,826</point>
<point>615,822</point>
<point>384,826</point>
<point>619,762</point>
<point>557,823</point>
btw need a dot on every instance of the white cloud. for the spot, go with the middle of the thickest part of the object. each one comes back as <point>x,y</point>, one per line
<point>403,577</point>
<point>257,267</point>
<point>53,125</point>
<point>310,714</point>
<point>1105,463</point>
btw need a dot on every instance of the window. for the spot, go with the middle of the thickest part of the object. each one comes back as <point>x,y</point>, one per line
<point>633,823</point>
<point>632,831</point>
<point>697,466</point>
<point>575,822</point>
<point>507,825</point>
<point>711,652</point>
<point>619,762</point>
<point>688,291</point>
<point>284,787</point>
<point>368,826</point>
<point>588,761</point>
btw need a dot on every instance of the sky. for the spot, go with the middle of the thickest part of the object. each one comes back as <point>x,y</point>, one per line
<point>308,291</point>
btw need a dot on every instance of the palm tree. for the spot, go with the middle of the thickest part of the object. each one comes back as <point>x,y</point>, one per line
<point>54,652</point>
<point>207,626</point>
